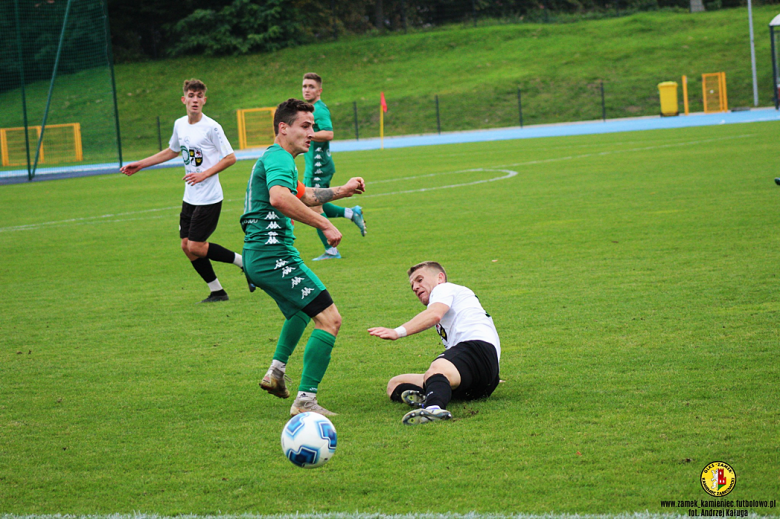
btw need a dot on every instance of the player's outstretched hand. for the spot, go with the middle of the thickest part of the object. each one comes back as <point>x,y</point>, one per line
<point>355,185</point>
<point>384,333</point>
<point>129,169</point>
<point>195,178</point>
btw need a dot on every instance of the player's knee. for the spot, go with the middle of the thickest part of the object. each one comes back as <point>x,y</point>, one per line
<point>329,320</point>
<point>335,321</point>
<point>392,384</point>
<point>197,248</point>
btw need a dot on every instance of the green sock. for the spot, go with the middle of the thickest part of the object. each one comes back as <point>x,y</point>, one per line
<point>333,211</point>
<point>316,359</point>
<point>322,236</point>
<point>291,333</point>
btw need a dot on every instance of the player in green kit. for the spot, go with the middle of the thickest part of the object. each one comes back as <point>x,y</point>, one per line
<point>319,164</point>
<point>271,262</point>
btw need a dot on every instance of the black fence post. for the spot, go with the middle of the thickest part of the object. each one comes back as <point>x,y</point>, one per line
<point>603,106</point>
<point>520,106</point>
<point>333,14</point>
<point>438,119</point>
<point>474,11</point>
<point>159,134</point>
<point>357,131</point>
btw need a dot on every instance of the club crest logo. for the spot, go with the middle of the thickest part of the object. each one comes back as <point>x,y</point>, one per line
<point>190,156</point>
<point>718,479</point>
<point>197,156</point>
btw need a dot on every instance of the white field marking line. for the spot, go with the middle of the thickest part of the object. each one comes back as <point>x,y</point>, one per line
<point>531,163</point>
<point>630,150</point>
<point>509,174</point>
<point>85,219</point>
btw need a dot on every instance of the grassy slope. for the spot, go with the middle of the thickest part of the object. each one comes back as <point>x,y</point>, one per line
<point>632,277</point>
<point>475,72</point>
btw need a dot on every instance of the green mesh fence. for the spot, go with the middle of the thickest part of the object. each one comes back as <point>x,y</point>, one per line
<point>56,82</point>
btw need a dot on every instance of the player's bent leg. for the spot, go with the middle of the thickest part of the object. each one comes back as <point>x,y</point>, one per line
<point>397,385</point>
<point>329,320</point>
<point>199,249</point>
<point>440,379</point>
<point>446,368</point>
<point>316,357</point>
<point>185,247</point>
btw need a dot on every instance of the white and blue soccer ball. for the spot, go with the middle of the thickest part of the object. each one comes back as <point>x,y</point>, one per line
<point>309,440</point>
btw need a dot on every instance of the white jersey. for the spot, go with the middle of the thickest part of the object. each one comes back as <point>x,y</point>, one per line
<point>466,320</point>
<point>202,145</point>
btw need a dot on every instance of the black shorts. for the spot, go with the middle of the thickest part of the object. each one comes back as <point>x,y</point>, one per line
<point>198,222</point>
<point>477,363</point>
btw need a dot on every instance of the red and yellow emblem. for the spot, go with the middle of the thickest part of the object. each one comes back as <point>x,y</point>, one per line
<point>718,478</point>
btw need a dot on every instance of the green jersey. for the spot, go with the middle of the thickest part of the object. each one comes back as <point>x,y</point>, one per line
<point>265,227</point>
<point>319,164</point>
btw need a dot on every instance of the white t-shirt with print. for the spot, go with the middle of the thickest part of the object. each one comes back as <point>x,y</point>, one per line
<point>466,320</point>
<point>201,146</point>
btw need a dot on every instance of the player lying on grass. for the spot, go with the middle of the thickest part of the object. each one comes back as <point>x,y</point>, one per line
<point>468,368</point>
<point>205,151</point>
<point>272,263</point>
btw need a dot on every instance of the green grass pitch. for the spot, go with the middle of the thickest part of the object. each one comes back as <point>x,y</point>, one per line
<point>633,279</point>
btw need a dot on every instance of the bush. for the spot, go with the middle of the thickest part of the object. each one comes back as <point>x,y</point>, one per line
<point>239,28</point>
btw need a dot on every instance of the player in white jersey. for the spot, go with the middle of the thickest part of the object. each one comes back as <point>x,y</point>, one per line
<point>205,150</point>
<point>468,368</point>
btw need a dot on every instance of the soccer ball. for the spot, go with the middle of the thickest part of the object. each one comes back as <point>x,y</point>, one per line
<point>309,440</point>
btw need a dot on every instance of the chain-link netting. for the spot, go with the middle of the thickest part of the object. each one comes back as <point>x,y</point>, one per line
<point>56,74</point>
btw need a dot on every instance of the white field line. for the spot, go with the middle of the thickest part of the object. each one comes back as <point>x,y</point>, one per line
<point>358,515</point>
<point>509,174</point>
<point>355,515</point>
<point>88,219</point>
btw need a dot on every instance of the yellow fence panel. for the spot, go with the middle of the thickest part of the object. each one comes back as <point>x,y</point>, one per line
<point>255,127</point>
<point>61,143</point>
<point>714,92</point>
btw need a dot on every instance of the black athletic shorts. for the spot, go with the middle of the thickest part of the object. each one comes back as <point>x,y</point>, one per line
<point>477,363</point>
<point>198,222</point>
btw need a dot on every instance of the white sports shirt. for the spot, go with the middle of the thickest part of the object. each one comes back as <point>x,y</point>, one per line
<point>201,145</point>
<point>466,320</point>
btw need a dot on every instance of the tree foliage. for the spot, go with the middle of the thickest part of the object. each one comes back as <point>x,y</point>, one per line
<point>241,27</point>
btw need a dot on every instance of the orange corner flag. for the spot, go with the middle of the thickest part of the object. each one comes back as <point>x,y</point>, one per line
<point>383,102</point>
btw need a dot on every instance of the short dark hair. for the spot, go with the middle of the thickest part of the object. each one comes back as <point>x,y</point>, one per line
<point>196,85</point>
<point>428,264</point>
<point>287,112</point>
<point>315,77</point>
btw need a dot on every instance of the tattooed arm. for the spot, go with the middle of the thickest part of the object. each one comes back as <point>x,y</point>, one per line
<point>316,196</point>
<point>287,203</point>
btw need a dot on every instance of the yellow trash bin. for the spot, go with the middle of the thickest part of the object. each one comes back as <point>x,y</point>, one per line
<point>668,92</point>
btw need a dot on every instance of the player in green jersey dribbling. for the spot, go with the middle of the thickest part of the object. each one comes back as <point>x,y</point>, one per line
<point>319,163</point>
<point>272,263</point>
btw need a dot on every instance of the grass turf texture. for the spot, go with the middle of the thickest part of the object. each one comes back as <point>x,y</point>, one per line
<point>632,278</point>
<point>474,71</point>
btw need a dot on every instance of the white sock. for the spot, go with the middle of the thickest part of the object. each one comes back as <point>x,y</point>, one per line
<point>238,261</point>
<point>332,251</point>
<point>348,213</point>
<point>278,364</point>
<point>215,286</point>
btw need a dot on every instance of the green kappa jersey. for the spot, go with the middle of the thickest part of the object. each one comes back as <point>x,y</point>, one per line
<point>264,226</point>
<point>318,159</point>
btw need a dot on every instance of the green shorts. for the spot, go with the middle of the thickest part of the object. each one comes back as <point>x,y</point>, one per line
<point>320,180</point>
<point>283,276</point>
